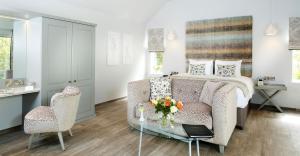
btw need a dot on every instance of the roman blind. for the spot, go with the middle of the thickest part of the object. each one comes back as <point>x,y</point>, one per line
<point>294,43</point>
<point>156,40</point>
<point>6,33</point>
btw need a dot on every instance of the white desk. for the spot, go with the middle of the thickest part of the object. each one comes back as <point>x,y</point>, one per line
<point>11,103</point>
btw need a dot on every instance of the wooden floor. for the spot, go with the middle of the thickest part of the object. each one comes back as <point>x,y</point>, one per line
<point>267,133</point>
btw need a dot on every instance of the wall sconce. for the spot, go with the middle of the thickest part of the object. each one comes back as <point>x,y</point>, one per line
<point>172,35</point>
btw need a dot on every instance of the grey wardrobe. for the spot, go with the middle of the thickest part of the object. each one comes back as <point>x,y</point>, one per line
<point>67,58</point>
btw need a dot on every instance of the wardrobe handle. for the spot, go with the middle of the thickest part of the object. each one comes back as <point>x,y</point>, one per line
<point>69,81</point>
<point>75,81</point>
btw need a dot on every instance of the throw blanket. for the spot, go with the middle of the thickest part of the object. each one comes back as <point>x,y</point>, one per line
<point>244,83</point>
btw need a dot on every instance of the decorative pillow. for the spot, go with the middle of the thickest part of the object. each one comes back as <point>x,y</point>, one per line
<point>209,90</point>
<point>197,69</point>
<point>209,65</point>
<point>226,70</point>
<point>160,87</point>
<point>237,64</point>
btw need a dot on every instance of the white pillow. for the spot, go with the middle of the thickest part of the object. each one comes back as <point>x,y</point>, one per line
<point>197,69</point>
<point>237,65</point>
<point>209,65</point>
<point>160,87</point>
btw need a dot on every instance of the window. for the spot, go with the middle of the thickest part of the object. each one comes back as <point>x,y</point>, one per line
<point>156,62</point>
<point>5,55</point>
<point>296,66</point>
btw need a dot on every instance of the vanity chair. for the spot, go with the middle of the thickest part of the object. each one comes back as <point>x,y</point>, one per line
<point>59,117</point>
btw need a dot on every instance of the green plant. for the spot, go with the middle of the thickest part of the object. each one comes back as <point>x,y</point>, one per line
<point>5,48</point>
<point>159,62</point>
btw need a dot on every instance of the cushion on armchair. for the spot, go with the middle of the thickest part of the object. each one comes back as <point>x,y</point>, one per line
<point>160,87</point>
<point>39,120</point>
<point>186,90</point>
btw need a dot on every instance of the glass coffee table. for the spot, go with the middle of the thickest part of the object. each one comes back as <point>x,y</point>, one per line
<point>168,131</point>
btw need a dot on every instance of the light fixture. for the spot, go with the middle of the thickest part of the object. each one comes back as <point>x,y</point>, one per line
<point>26,16</point>
<point>10,17</point>
<point>271,29</point>
<point>172,35</point>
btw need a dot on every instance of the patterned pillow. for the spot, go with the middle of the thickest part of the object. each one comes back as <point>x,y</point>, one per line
<point>226,70</point>
<point>209,90</point>
<point>160,87</point>
<point>197,69</point>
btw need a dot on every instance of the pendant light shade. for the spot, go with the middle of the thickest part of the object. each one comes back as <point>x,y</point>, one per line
<point>271,30</point>
<point>172,35</point>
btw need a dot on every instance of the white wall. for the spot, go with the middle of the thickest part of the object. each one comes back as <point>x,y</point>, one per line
<point>270,54</point>
<point>19,49</point>
<point>111,81</point>
<point>33,61</point>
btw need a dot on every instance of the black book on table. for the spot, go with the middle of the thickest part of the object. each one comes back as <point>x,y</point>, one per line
<point>197,131</point>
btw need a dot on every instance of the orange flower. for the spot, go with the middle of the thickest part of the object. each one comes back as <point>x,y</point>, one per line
<point>179,105</point>
<point>168,103</point>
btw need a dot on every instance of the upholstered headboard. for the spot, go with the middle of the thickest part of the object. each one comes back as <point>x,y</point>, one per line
<point>222,39</point>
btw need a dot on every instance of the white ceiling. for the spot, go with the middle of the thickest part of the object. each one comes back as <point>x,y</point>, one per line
<point>138,10</point>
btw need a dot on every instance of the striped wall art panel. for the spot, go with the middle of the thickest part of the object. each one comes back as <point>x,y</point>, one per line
<point>223,39</point>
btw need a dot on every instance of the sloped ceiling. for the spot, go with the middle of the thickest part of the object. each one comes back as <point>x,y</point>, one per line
<point>138,10</point>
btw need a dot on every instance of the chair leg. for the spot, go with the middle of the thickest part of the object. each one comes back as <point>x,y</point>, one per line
<point>61,140</point>
<point>221,149</point>
<point>30,141</point>
<point>70,132</point>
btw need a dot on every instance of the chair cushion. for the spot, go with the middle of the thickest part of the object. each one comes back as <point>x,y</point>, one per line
<point>193,113</point>
<point>40,120</point>
<point>187,90</point>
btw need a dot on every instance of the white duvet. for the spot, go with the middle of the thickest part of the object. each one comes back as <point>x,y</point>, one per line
<point>244,85</point>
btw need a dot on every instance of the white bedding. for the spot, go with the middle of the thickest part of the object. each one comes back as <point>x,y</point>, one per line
<point>244,86</point>
<point>242,101</point>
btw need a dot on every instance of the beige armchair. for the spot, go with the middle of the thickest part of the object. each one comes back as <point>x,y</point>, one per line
<point>60,116</point>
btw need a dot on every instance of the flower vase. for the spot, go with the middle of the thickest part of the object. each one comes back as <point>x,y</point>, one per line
<point>164,121</point>
<point>172,120</point>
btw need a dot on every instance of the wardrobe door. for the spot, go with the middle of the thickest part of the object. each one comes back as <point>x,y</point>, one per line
<point>57,57</point>
<point>83,67</point>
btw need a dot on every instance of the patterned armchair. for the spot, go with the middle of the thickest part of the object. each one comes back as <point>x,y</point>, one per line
<point>60,116</point>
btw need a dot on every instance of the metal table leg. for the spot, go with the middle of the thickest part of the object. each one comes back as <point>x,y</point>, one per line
<point>198,150</point>
<point>190,148</point>
<point>264,94</point>
<point>140,143</point>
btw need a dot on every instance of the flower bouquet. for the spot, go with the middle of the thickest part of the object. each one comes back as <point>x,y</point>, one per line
<point>168,107</point>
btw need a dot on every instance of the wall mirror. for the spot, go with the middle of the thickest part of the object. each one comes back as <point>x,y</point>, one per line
<point>13,48</point>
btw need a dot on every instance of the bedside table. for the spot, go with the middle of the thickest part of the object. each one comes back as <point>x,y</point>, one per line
<point>268,98</point>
